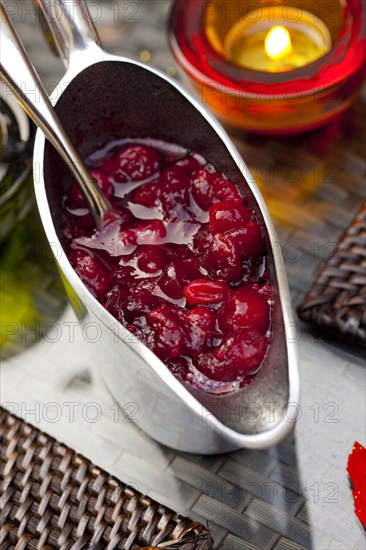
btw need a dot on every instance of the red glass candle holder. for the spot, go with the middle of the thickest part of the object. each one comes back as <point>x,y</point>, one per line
<point>273,102</point>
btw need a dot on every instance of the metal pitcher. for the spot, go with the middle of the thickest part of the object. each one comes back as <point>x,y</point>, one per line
<point>104,98</point>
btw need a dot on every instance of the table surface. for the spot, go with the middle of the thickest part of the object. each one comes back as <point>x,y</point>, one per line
<point>291,496</point>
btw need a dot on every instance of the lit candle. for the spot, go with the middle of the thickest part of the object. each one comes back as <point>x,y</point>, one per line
<point>275,39</point>
<point>277,69</point>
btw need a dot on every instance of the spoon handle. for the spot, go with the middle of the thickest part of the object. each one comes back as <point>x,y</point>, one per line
<point>71,26</point>
<point>18,72</point>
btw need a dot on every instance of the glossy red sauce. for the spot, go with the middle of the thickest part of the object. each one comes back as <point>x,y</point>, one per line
<point>190,278</point>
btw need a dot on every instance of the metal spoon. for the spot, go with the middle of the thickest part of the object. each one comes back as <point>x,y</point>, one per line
<point>20,75</point>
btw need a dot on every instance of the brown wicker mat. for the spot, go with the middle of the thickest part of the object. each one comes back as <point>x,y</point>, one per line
<point>52,497</point>
<point>337,299</point>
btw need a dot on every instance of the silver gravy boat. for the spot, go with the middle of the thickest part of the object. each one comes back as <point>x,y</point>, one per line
<point>105,98</point>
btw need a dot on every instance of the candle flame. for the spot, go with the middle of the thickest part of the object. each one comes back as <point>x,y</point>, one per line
<point>278,43</point>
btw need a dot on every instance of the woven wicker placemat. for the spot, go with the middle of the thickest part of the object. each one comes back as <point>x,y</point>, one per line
<point>52,497</point>
<point>337,299</point>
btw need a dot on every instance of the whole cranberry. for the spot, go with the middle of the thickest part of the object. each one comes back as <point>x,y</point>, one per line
<point>150,231</point>
<point>145,232</point>
<point>176,275</point>
<point>147,195</point>
<point>202,239</point>
<point>169,332</point>
<point>136,163</point>
<point>239,354</point>
<point>190,165</point>
<point>249,240</point>
<point>244,308</point>
<point>84,222</point>
<point>201,188</point>
<point>176,180</point>
<point>222,259</point>
<point>199,327</point>
<point>203,317</point>
<point>90,272</point>
<point>205,291</point>
<point>226,215</point>
<point>141,299</point>
<point>242,351</point>
<point>151,259</point>
<point>174,195</point>
<point>208,364</point>
<point>209,188</point>
<point>224,190</point>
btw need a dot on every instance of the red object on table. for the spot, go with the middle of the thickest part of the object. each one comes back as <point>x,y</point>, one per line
<point>277,103</point>
<point>356,469</point>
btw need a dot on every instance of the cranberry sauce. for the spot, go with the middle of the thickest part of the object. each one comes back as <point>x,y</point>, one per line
<point>190,278</point>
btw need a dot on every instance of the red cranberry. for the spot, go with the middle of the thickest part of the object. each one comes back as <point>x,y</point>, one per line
<point>210,366</point>
<point>171,282</point>
<point>202,240</point>
<point>189,164</point>
<point>201,188</point>
<point>177,274</point>
<point>209,188</point>
<point>244,308</point>
<point>151,259</point>
<point>205,291</point>
<point>90,272</point>
<point>149,276</point>
<point>169,333</point>
<point>224,190</point>
<point>226,215</point>
<point>199,327</point>
<point>141,299</point>
<point>239,354</point>
<point>146,232</point>
<point>222,259</point>
<point>150,231</point>
<point>191,268</point>
<point>176,180</point>
<point>203,317</point>
<point>147,195</point>
<point>136,162</point>
<point>242,351</point>
<point>249,239</point>
<point>174,192</point>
